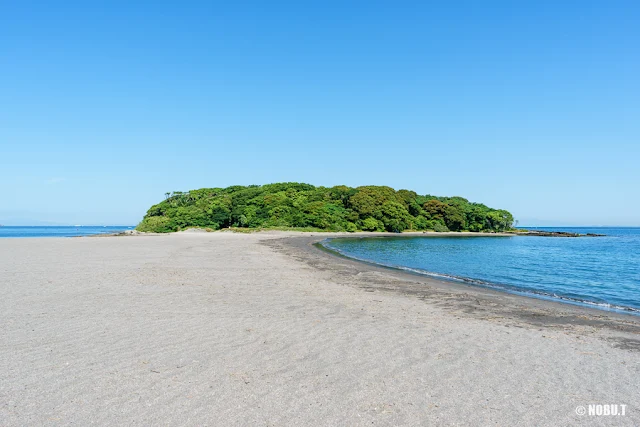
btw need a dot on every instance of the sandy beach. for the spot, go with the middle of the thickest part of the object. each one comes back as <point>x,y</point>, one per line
<point>264,329</point>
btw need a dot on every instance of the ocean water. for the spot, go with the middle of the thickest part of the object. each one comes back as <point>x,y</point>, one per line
<point>597,271</point>
<point>67,231</point>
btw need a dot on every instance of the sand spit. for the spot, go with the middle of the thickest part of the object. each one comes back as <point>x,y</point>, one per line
<point>264,329</point>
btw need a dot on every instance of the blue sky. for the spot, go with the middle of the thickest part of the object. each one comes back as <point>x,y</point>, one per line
<point>533,107</point>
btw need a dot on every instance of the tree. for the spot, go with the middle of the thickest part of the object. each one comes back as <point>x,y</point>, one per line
<point>395,216</point>
<point>372,224</point>
<point>368,200</point>
<point>449,215</point>
<point>454,218</point>
<point>500,220</point>
<point>435,209</point>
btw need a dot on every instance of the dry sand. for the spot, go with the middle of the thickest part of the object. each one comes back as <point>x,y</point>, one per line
<point>265,330</point>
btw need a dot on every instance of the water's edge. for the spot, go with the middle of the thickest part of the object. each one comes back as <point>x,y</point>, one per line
<point>326,246</point>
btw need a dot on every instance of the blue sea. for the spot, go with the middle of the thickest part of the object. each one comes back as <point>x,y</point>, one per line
<point>603,272</point>
<point>62,231</point>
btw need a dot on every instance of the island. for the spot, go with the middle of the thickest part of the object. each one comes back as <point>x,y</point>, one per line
<point>305,207</point>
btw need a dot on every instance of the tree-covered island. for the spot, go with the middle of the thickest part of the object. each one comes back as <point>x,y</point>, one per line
<point>340,208</point>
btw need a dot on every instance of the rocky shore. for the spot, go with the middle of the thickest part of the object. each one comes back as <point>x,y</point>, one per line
<point>553,233</point>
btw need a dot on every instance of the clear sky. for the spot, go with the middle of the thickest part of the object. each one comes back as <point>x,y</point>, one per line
<point>532,107</point>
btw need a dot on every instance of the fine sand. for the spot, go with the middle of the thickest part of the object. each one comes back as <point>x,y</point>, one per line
<point>264,329</point>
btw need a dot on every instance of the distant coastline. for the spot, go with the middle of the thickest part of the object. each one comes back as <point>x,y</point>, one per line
<point>60,231</point>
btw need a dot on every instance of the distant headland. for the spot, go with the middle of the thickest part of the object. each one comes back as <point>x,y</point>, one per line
<point>307,207</point>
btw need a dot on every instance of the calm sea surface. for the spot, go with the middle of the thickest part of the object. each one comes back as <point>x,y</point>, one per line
<point>60,231</point>
<point>598,271</point>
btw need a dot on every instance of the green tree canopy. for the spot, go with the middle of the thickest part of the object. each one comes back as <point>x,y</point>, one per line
<point>340,208</point>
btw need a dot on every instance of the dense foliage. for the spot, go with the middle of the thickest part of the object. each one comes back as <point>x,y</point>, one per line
<point>340,208</point>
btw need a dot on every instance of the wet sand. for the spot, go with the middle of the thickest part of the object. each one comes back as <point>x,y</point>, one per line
<point>266,329</point>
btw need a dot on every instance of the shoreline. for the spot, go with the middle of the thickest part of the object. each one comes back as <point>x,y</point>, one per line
<point>468,282</point>
<point>317,237</point>
<point>472,298</point>
<point>325,246</point>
